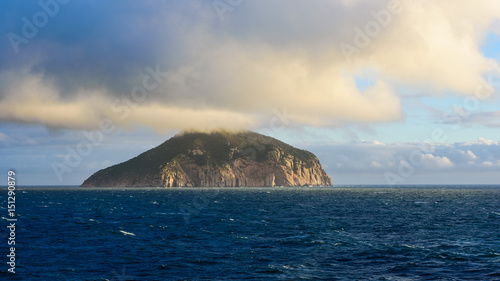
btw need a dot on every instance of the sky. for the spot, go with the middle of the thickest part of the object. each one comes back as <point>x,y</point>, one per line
<point>383,92</point>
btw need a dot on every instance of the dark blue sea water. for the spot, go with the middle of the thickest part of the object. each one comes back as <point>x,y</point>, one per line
<point>351,233</point>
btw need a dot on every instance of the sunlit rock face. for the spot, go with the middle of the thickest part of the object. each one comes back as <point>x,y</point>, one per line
<point>217,159</point>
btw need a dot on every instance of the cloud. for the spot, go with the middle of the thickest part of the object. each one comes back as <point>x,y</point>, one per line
<point>377,158</point>
<point>431,161</point>
<point>489,119</point>
<point>37,102</point>
<point>264,56</point>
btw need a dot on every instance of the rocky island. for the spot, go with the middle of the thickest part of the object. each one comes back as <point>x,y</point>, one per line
<point>216,159</point>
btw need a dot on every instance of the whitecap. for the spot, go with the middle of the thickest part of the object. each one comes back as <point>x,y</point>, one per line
<point>127,233</point>
<point>494,215</point>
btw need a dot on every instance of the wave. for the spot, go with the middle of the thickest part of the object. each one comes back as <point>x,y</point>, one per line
<point>127,233</point>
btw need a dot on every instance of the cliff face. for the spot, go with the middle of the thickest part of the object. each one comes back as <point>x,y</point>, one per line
<point>218,159</point>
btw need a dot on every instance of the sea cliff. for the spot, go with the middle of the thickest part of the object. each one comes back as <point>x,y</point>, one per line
<point>217,159</point>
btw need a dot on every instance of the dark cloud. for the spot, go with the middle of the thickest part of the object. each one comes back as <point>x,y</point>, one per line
<point>259,56</point>
<point>91,44</point>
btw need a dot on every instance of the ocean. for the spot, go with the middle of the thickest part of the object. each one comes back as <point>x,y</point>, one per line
<point>340,233</point>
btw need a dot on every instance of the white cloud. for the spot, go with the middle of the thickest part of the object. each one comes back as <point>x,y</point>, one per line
<point>366,157</point>
<point>38,102</point>
<point>431,161</point>
<point>437,43</point>
<point>488,164</point>
<point>469,154</point>
<point>487,142</point>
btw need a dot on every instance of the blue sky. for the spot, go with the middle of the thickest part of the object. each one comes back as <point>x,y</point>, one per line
<point>381,91</point>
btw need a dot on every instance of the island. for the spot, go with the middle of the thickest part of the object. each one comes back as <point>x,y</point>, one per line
<point>216,159</point>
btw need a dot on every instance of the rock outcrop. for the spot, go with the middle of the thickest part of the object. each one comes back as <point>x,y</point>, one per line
<point>217,159</point>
